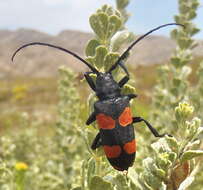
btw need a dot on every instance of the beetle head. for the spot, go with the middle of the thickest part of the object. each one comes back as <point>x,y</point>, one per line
<point>106,86</point>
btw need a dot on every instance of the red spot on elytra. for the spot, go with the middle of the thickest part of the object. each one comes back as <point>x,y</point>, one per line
<point>112,151</point>
<point>126,117</point>
<point>105,122</point>
<point>130,147</point>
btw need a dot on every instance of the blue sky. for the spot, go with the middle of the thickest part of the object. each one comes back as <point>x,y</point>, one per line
<point>53,16</point>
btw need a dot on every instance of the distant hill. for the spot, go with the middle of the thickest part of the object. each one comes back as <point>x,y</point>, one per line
<point>43,61</point>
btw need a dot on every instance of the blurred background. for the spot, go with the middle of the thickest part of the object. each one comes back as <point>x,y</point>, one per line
<point>66,23</point>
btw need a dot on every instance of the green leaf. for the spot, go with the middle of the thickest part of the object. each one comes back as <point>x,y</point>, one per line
<point>133,176</point>
<point>105,23</point>
<point>143,183</point>
<point>172,156</point>
<point>99,59</point>
<point>121,182</point>
<point>151,167</point>
<point>90,170</point>
<point>183,111</point>
<point>190,154</point>
<point>184,8</point>
<point>128,89</point>
<point>110,59</point>
<point>98,183</point>
<point>91,47</point>
<point>192,14</point>
<point>151,180</point>
<point>114,25</point>
<point>186,183</point>
<point>172,143</point>
<point>101,52</point>
<point>185,42</point>
<point>174,34</point>
<point>119,39</point>
<point>121,4</point>
<point>91,60</point>
<point>99,23</point>
<point>163,161</point>
<point>161,146</point>
<point>108,10</point>
<point>103,9</point>
<point>195,4</point>
<point>193,145</point>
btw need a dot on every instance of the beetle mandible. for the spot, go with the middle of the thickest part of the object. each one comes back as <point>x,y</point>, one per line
<point>112,110</point>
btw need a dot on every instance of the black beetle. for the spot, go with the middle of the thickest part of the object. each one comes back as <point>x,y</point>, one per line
<point>112,110</point>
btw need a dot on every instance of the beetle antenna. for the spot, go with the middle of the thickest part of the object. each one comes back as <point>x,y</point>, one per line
<point>124,55</point>
<point>94,70</point>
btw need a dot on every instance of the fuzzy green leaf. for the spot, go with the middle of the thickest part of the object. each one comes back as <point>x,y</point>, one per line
<point>101,52</point>
<point>91,47</point>
<point>186,183</point>
<point>113,26</point>
<point>192,14</point>
<point>195,4</point>
<point>97,183</point>
<point>121,4</point>
<point>99,59</point>
<point>90,170</point>
<point>184,8</point>
<point>161,146</point>
<point>185,42</point>
<point>119,39</point>
<point>133,176</point>
<point>110,59</point>
<point>190,154</point>
<point>128,89</point>
<point>152,180</point>
<point>121,182</point>
<point>91,60</point>
<point>151,167</point>
<point>99,23</point>
<point>172,156</point>
<point>172,143</point>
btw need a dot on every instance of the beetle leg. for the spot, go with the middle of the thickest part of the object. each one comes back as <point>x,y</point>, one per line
<point>131,96</point>
<point>152,129</point>
<point>91,118</point>
<point>89,80</point>
<point>123,81</point>
<point>96,142</point>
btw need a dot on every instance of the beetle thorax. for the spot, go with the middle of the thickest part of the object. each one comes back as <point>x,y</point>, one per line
<point>106,86</point>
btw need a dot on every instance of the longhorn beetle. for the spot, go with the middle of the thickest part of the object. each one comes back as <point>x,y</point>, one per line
<point>112,110</point>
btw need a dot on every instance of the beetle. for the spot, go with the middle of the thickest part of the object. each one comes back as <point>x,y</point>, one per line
<point>112,110</point>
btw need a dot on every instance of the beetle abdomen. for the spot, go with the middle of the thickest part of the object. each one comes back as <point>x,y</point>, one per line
<point>118,139</point>
<point>121,157</point>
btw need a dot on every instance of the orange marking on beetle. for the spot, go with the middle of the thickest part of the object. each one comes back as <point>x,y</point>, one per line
<point>105,122</point>
<point>112,151</point>
<point>126,117</point>
<point>130,147</point>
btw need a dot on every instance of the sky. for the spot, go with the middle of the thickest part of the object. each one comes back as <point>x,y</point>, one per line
<point>53,16</point>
